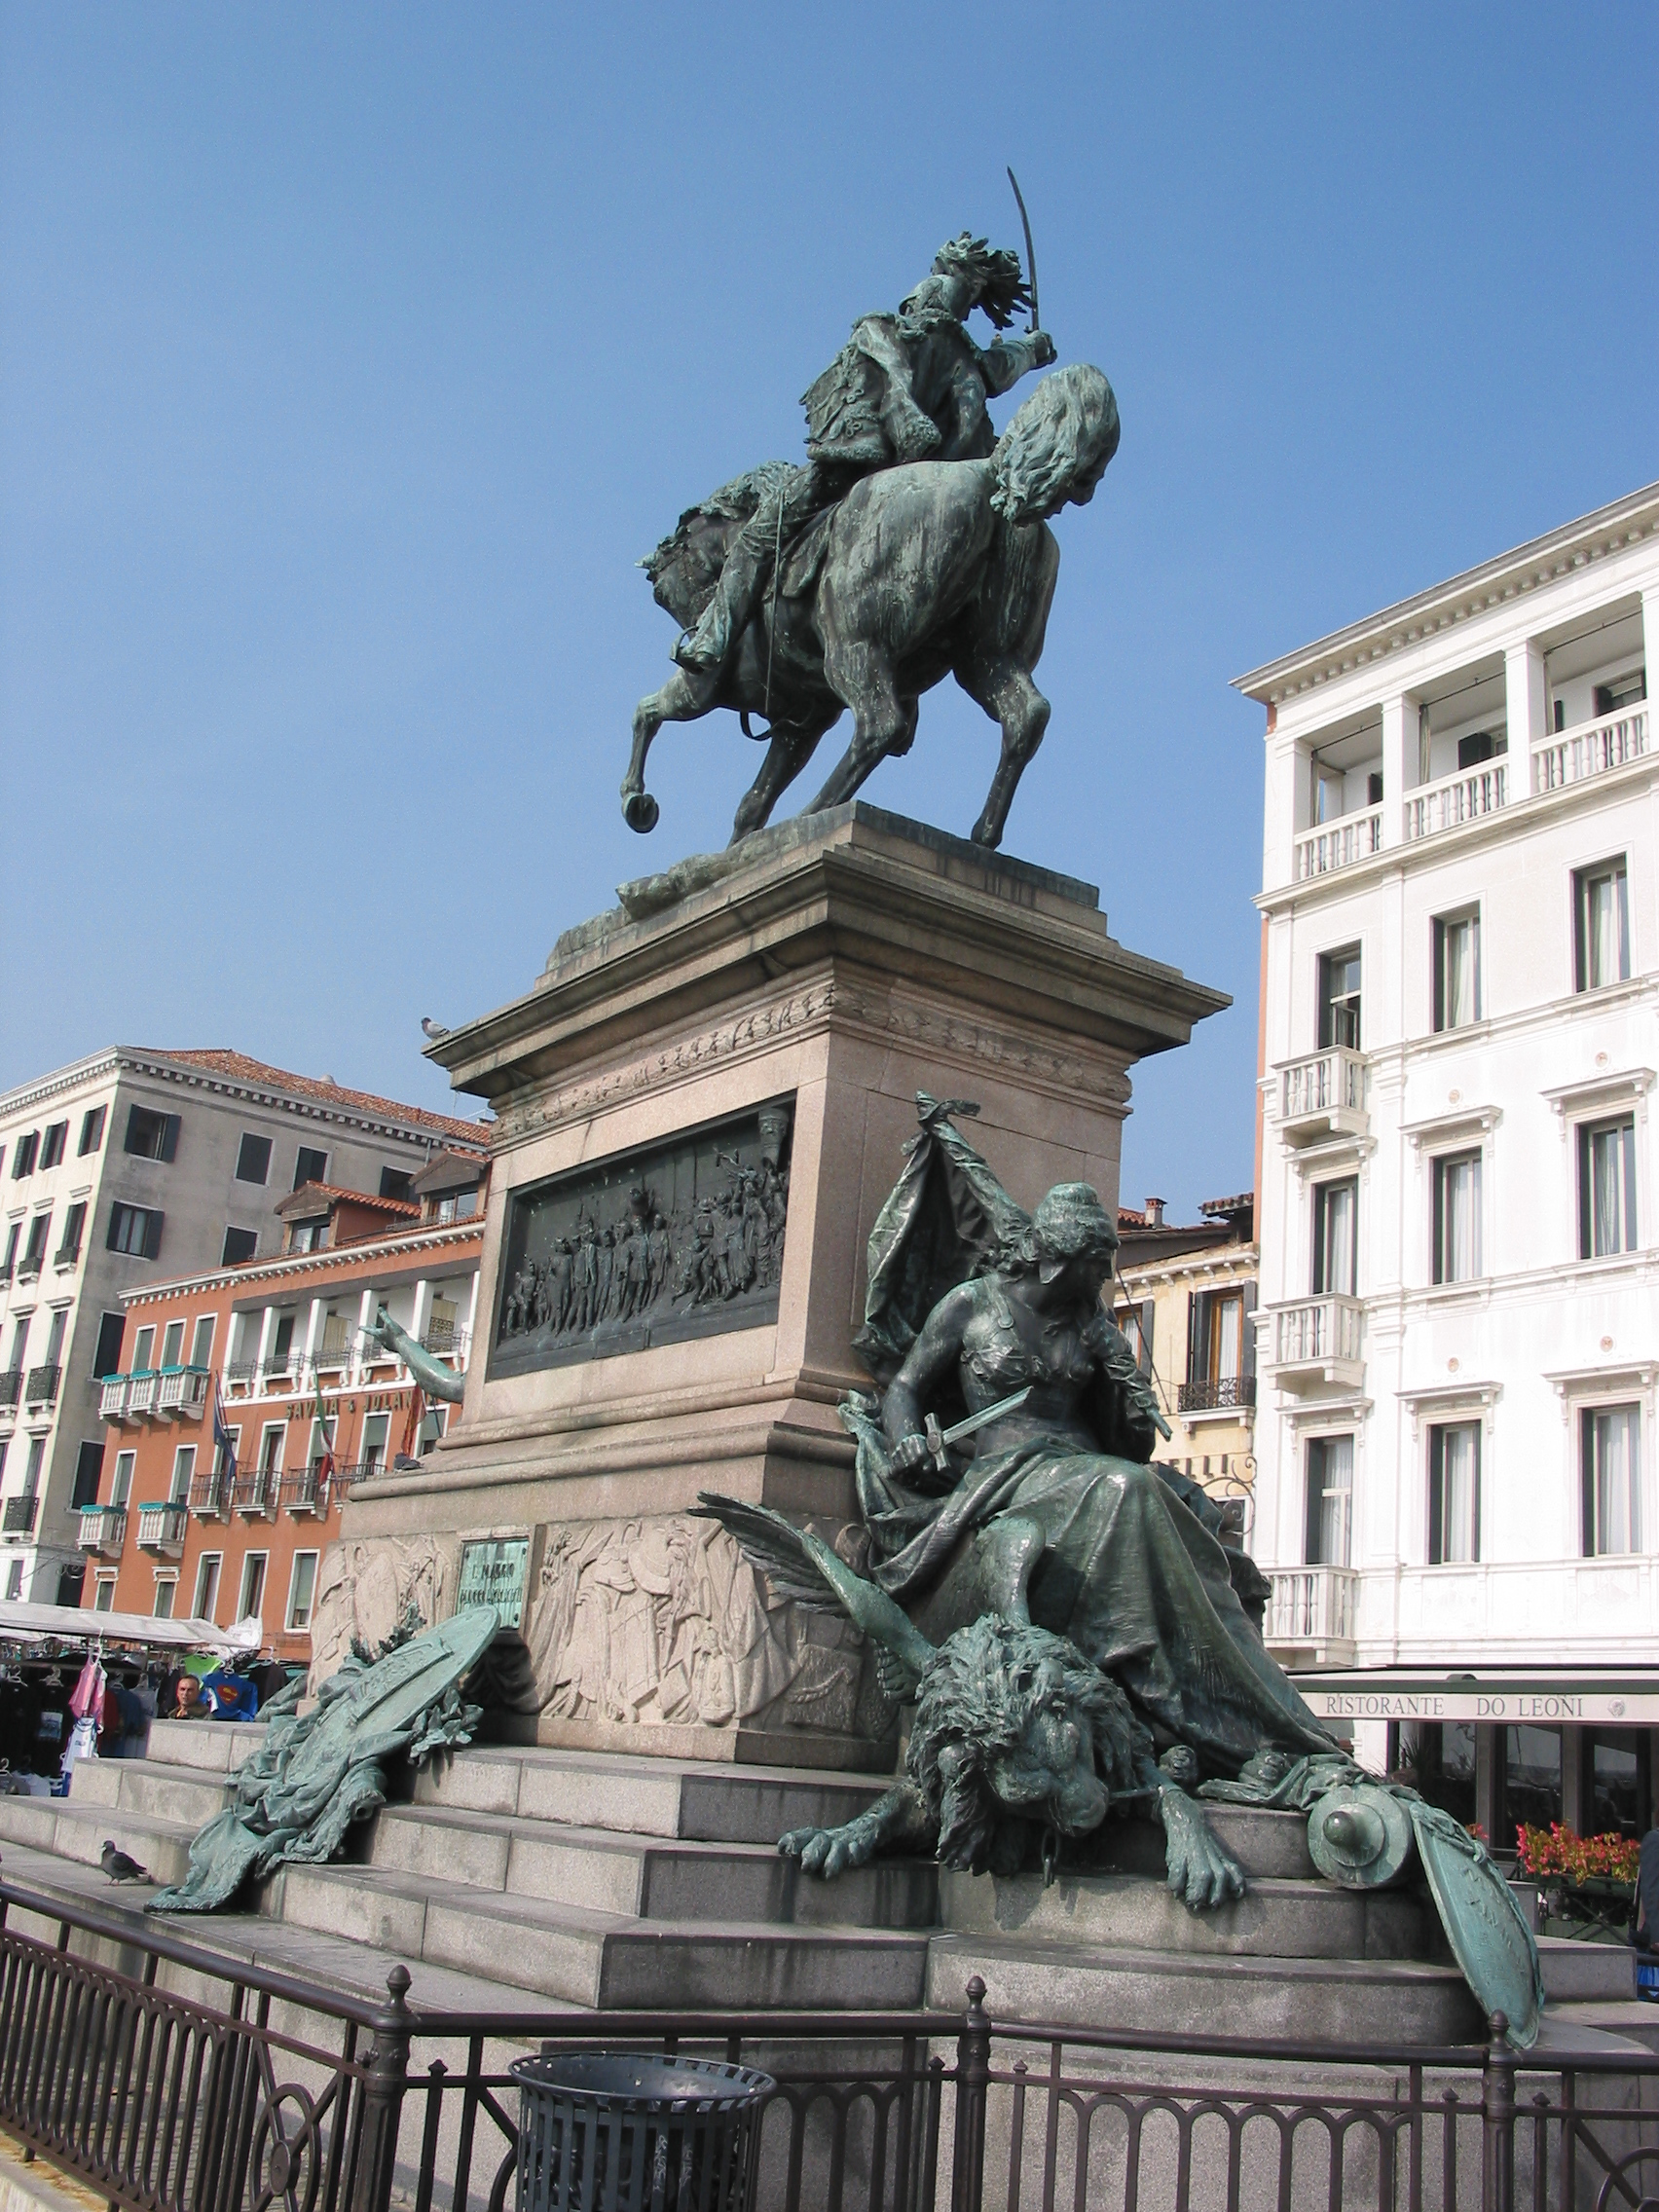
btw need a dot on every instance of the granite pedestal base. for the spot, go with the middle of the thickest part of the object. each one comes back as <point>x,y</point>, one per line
<point>701,1105</point>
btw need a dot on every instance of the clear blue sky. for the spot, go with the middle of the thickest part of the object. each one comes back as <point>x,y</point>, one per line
<point>352,357</point>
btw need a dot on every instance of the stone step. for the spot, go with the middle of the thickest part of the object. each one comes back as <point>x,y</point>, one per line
<point>1127,1912</point>
<point>651,1878</point>
<point>148,1787</point>
<point>598,1959</point>
<point>1577,1972</point>
<point>78,1832</point>
<point>701,1802</point>
<point>1270,1845</point>
<point>218,1747</point>
<point>350,1969</point>
<point>1191,1993</point>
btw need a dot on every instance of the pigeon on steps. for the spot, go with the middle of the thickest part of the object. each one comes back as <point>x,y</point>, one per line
<point>119,1868</point>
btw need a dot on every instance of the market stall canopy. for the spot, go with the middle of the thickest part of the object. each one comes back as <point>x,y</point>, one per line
<point>25,1623</point>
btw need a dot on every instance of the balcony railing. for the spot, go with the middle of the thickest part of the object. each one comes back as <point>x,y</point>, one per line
<point>211,1494</point>
<point>1319,1340</point>
<point>445,1336</point>
<point>1313,1606</point>
<point>29,1264</point>
<point>304,1490</point>
<point>1457,798</point>
<point>359,1471</point>
<point>256,1492</point>
<point>11,1386</point>
<point>42,1386</point>
<point>1592,749</point>
<point>241,1371</point>
<point>1338,844</point>
<point>112,1396</point>
<point>1226,1394</point>
<point>161,1527</point>
<point>1323,1096</point>
<point>17,1515</point>
<point>103,1528</point>
<point>142,1391</point>
<point>67,1255</point>
<point>335,1349</point>
<point>1565,757</point>
<point>183,1390</point>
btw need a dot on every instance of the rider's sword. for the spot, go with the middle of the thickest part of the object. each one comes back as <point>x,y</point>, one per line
<point>939,1439</point>
<point>1030,250</point>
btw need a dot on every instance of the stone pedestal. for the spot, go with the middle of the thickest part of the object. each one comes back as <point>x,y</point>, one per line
<point>702,1104</point>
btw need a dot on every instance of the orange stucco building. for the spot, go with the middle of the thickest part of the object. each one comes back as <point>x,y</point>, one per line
<point>184,1526</point>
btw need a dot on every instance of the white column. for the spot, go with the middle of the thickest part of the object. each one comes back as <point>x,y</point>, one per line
<point>315,1320</point>
<point>1399,745</point>
<point>365,1314</point>
<point>1526,706</point>
<point>267,1338</point>
<point>1650,644</point>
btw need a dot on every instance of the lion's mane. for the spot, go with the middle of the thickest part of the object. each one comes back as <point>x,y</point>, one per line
<point>972,1707</point>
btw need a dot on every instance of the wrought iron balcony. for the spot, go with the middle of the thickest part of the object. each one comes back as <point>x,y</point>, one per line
<point>29,1264</point>
<point>183,1390</point>
<point>103,1528</point>
<point>42,1386</point>
<point>1311,1615</point>
<point>1323,1096</point>
<point>256,1492</point>
<point>1229,1393</point>
<point>241,1371</point>
<point>445,1338</point>
<point>304,1490</point>
<point>212,1494</point>
<point>11,1386</point>
<point>162,1527</point>
<point>17,1515</point>
<point>1319,1342</point>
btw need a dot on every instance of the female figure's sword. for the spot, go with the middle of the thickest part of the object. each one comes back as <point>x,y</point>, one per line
<point>1030,250</point>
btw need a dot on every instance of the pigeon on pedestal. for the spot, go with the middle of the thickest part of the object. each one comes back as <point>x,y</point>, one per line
<point>119,1868</point>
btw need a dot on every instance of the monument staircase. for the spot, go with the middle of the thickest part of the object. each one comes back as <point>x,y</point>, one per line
<point>593,1879</point>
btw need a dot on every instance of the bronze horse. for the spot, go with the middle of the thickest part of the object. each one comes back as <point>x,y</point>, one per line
<point>930,568</point>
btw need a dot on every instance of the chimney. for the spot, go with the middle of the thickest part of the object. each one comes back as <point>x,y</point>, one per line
<point>1153,1215</point>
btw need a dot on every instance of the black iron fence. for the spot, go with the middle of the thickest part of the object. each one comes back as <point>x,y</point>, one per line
<point>173,2078</point>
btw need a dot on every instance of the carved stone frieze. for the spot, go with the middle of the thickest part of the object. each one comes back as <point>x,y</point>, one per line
<point>928,1028</point>
<point>369,1590</point>
<point>661,1621</point>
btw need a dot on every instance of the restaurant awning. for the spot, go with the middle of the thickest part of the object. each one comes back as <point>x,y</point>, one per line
<point>21,1622</point>
<point>1628,1698</point>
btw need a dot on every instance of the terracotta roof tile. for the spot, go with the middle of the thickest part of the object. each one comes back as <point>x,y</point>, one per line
<point>239,1067</point>
<point>309,1196</point>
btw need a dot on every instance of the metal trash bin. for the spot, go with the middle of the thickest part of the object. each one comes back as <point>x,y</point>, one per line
<point>619,2131</point>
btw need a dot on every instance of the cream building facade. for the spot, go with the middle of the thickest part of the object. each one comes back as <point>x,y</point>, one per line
<point>1458,1198</point>
<point>124,1167</point>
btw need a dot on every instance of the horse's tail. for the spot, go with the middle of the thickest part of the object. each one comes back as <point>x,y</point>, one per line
<point>1060,440</point>
<point>686,566</point>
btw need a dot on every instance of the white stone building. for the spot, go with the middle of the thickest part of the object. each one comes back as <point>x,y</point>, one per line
<point>125,1167</point>
<point>1459,1193</point>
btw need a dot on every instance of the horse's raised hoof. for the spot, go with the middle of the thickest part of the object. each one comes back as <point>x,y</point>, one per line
<point>640,811</point>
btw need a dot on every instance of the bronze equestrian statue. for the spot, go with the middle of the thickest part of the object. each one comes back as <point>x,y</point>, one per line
<point>912,545</point>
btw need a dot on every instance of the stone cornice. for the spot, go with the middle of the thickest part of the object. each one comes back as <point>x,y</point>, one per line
<point>839,897</point>
<point>97,1067</point>
<point>1575,545</point>
<point>353,1259</point>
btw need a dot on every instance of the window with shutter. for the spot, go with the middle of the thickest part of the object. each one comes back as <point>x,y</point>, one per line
<point>89,1473</point>
<point>107,1359</point>
<point>91,1130</point>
